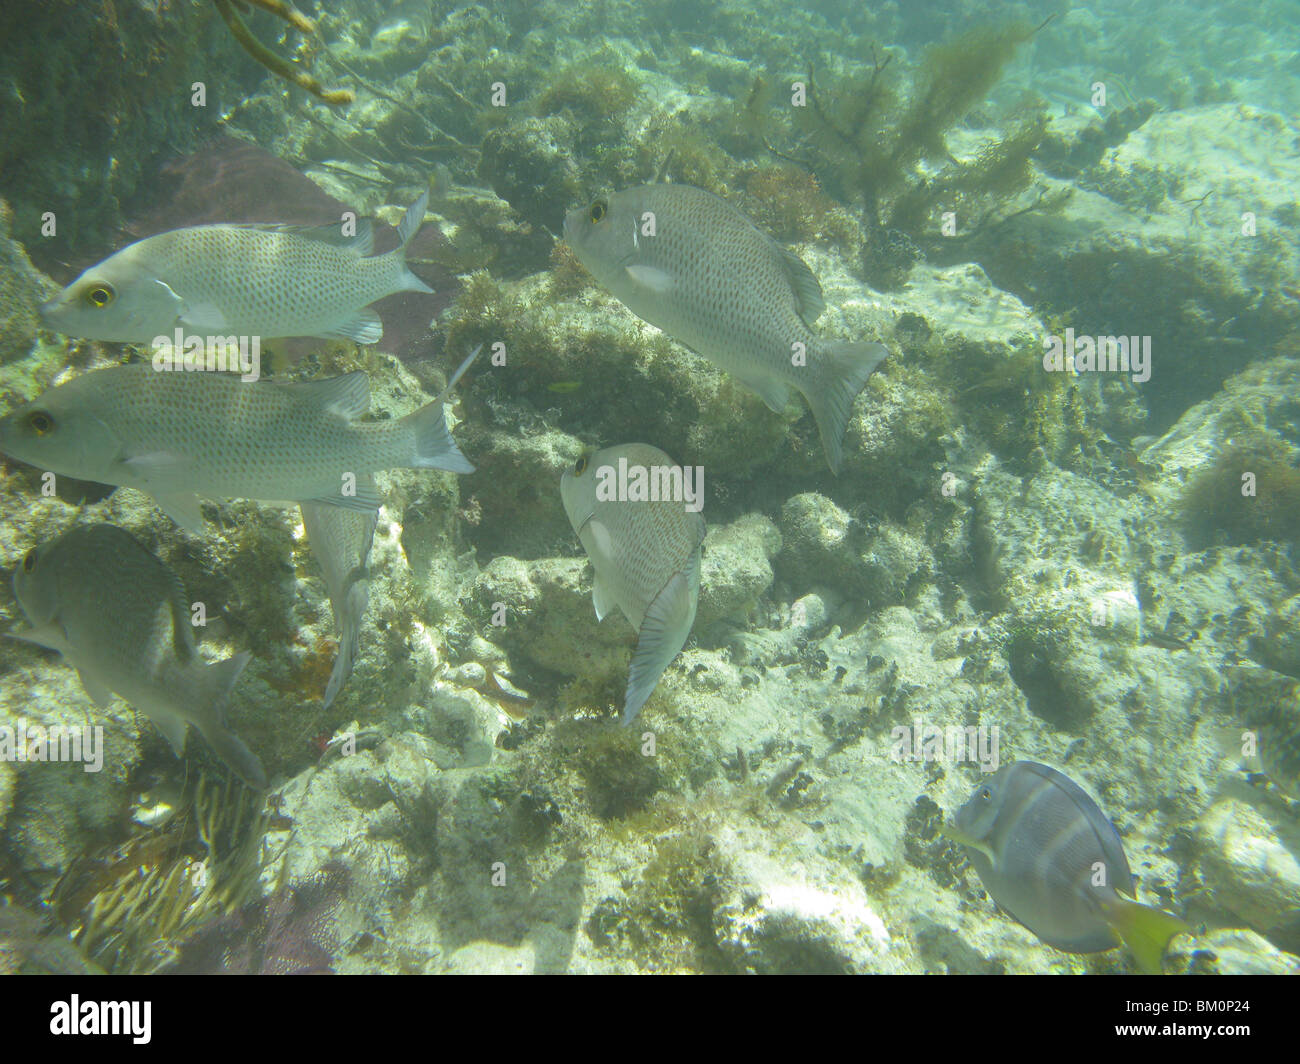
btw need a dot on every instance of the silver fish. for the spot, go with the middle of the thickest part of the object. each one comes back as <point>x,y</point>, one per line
<point>176,436</point>
<point>340,542</point>
<point>646,557</point>
<point>691,264</point>
<point>1049,857</point>
<point>240,280</point>
<point>122,620</point>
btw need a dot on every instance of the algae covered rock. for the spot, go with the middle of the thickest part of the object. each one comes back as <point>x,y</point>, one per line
<point>22,290</point>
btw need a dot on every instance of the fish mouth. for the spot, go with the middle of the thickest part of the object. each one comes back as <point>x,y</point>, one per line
<point>47,309</point>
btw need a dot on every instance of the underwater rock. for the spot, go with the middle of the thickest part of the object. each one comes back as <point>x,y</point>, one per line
<point>22,290</point>
<point>735,570</point>
<point>813,921</point>
<point>1228,951</point>
<point>515,493</point>
<point>123,60</point>
<point>815,547</point>
<point>1248,860</point>
<point>529,164</point>
<point>547,617</point>
<point>1147,254</point>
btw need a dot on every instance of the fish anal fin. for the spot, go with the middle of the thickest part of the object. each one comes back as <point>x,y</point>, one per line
<point>773,391</point>
<point>183,508</point>
<point>363,327</point>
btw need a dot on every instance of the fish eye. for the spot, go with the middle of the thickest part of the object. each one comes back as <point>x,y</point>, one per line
<point>598,210</point>
<point>40,422</point>
<point>986,793</point>
<point>580,466</point>
<point>100,295</point>
<point>29,561</point>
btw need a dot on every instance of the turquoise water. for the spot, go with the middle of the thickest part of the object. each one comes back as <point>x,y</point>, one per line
<point>489,704</point>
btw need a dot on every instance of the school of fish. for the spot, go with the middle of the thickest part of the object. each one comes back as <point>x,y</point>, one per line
<point>680,258</point>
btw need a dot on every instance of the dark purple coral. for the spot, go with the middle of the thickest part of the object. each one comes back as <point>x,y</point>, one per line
<point>292,931</point>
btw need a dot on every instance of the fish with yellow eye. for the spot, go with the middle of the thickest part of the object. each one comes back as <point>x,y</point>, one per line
<point>240,280</point>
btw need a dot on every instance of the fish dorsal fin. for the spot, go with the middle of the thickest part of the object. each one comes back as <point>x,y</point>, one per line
<point>347,396</point>
<point>362,241</point>
<point>807,290</point>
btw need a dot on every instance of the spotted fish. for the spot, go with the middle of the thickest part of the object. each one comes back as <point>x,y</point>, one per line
<point>690,263</point>
<point>121,618</point>
<point>177,436</point>
<point>1049,857</point>
<point>645,553</point>
<point>240,280</point>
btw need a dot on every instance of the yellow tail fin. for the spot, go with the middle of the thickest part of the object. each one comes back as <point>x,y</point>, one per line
<point>1146,931</point>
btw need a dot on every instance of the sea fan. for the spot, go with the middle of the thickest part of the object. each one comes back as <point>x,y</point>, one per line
<point>292,931</point>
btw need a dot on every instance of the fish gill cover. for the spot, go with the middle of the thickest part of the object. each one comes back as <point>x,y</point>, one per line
<point>1034,275</point>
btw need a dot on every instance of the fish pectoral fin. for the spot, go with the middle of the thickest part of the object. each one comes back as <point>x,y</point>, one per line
<point>49,636</point>
<point>602,598</point>
<point>663,633</point>
<point>596,539</point>
<point>152,461</point>
<point>183,508</point>
<point>651,277</point>
<point>196,315</point>
<point>775,393</point>
<point>363,327</point>
<point>100,694</point>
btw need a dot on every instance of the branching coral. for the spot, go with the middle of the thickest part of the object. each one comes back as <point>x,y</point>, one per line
<point>866,140</point>
<point>277,65</point>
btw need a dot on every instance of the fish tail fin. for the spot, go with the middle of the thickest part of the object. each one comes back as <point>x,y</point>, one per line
<point>410,225</point>
<point>212,693</point>
<point>848,365</point>
<point>1145,930</point>
<point>434,447</point>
